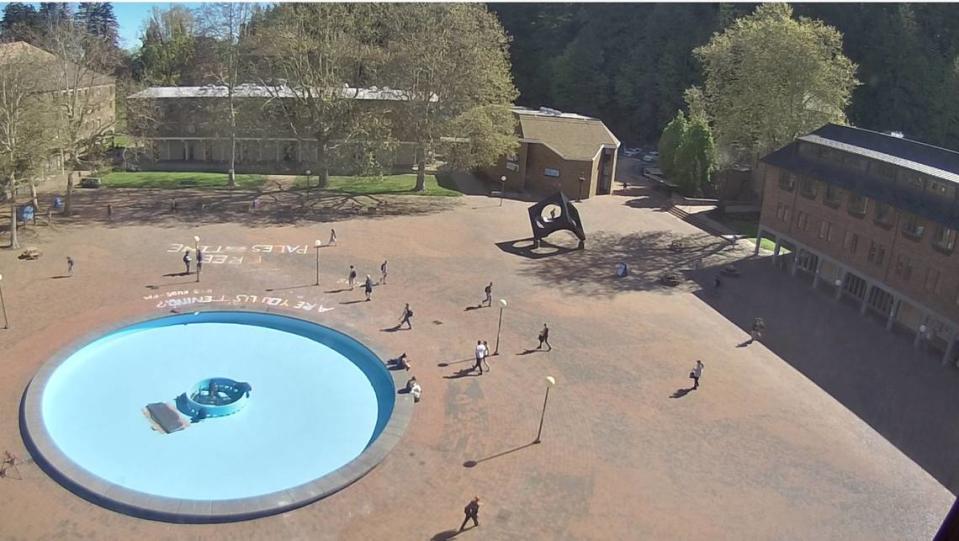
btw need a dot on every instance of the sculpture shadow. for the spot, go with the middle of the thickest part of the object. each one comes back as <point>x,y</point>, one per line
<point>648,254</point>
<point>527,248</point>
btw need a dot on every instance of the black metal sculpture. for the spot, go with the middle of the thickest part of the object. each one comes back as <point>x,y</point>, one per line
<point>566,218</point>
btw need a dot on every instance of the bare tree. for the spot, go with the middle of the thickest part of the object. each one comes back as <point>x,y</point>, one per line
<point>82,97</point>
<point>22,118</point>
<point>223,25</point>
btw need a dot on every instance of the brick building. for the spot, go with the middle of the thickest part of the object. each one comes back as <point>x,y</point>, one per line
<point>556,151</point>
<point>874,218</point>
<point>58,79</point>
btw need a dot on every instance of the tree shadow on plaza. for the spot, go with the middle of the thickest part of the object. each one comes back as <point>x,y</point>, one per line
<point>171,208</point>
<point>649,255</point>
<point>904,394</point>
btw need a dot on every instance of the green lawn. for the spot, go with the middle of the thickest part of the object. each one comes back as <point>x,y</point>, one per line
<point>746,227</point>
<point>385,185</point>
<point>170,180</point>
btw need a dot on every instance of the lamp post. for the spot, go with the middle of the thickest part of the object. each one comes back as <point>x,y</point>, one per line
<point>317,244</point>
<point>549,383</point>
<point>307,178</point>
<point>582,181</point>
<point>502,305</point>
<point>199,256</point>
<point>4,306</point>
<point>502,189</point>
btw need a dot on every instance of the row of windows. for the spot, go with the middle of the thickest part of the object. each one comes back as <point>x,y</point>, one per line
<point>883,170</point>
<point>943,238</point>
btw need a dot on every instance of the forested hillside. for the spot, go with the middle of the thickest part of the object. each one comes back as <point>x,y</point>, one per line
<point>630,63</point>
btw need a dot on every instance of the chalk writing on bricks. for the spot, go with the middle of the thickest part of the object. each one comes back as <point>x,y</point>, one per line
<point>186,297</point>
<point>235,255</point>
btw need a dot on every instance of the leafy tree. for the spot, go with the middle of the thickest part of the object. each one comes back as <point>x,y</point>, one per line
<point>673,136</point>
<point>166,56</point>
<point>695,159</point>
<point>306,57</point>
<point>770,78</point>
<point>455,90</point>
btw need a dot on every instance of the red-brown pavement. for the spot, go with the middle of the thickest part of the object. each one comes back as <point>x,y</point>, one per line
<point>757,452</point>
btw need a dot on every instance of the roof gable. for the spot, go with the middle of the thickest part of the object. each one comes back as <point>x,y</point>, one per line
<point>573,137</point>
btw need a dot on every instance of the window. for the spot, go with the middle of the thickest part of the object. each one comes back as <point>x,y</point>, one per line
<point>551,172</point>
<point>782,212</point>
<point>825,230</point>
<point>937,187</point>
<point>932,280</point>
<point>851,242</point>
<point>787,181</point>
<point>904,268</point>
<point>857,163</point>
<point>884,170</point>
<point>802,220</point>
<point>857,204</point>
<point>833,196</point>
<point>876,253</point>
<point>911,226</point>
<point>915,180</point>
<point>944,238</point>
<point>884,214</point>
<point>807,187</point>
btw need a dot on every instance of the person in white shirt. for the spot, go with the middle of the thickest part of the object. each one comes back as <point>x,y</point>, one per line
<point>480,353</point>
<point>697,373</point>
<point>414,389</point>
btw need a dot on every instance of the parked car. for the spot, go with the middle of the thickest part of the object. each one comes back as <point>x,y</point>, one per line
<point>649,158</point>
<point>90,182</point>
<point>632,152</point>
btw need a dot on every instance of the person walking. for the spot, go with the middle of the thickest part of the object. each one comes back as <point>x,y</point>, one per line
<point>696,373</point>
<point>486,355</point>
<point>352,277</point>
<point>479,357</point>
<point>488,301</point>
<point>384,270</point>
<point>407,316</point>
<point>69,266</point>
<point>332,237</point>
<point>186,261</point>
<point>757,330</point>
<point>544,338</point>
<point>368,287</point>
<point>472,513</point>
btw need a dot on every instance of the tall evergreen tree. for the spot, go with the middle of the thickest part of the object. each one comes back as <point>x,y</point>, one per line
<point>98,19</point>
<point>20,22</point>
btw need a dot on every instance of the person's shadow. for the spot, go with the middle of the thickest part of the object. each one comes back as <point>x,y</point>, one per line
<point>446,534</point>
<point>463,373</point>
<point>528,351</point>
<point>682,392</point>
<point>744,344</point>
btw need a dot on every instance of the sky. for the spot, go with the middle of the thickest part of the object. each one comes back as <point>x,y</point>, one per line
<point>130,16</point>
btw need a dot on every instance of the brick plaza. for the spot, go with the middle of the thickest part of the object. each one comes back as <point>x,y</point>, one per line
<point>759,451</point>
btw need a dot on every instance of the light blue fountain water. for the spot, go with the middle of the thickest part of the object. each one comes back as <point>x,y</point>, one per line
<point>319,399</point>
